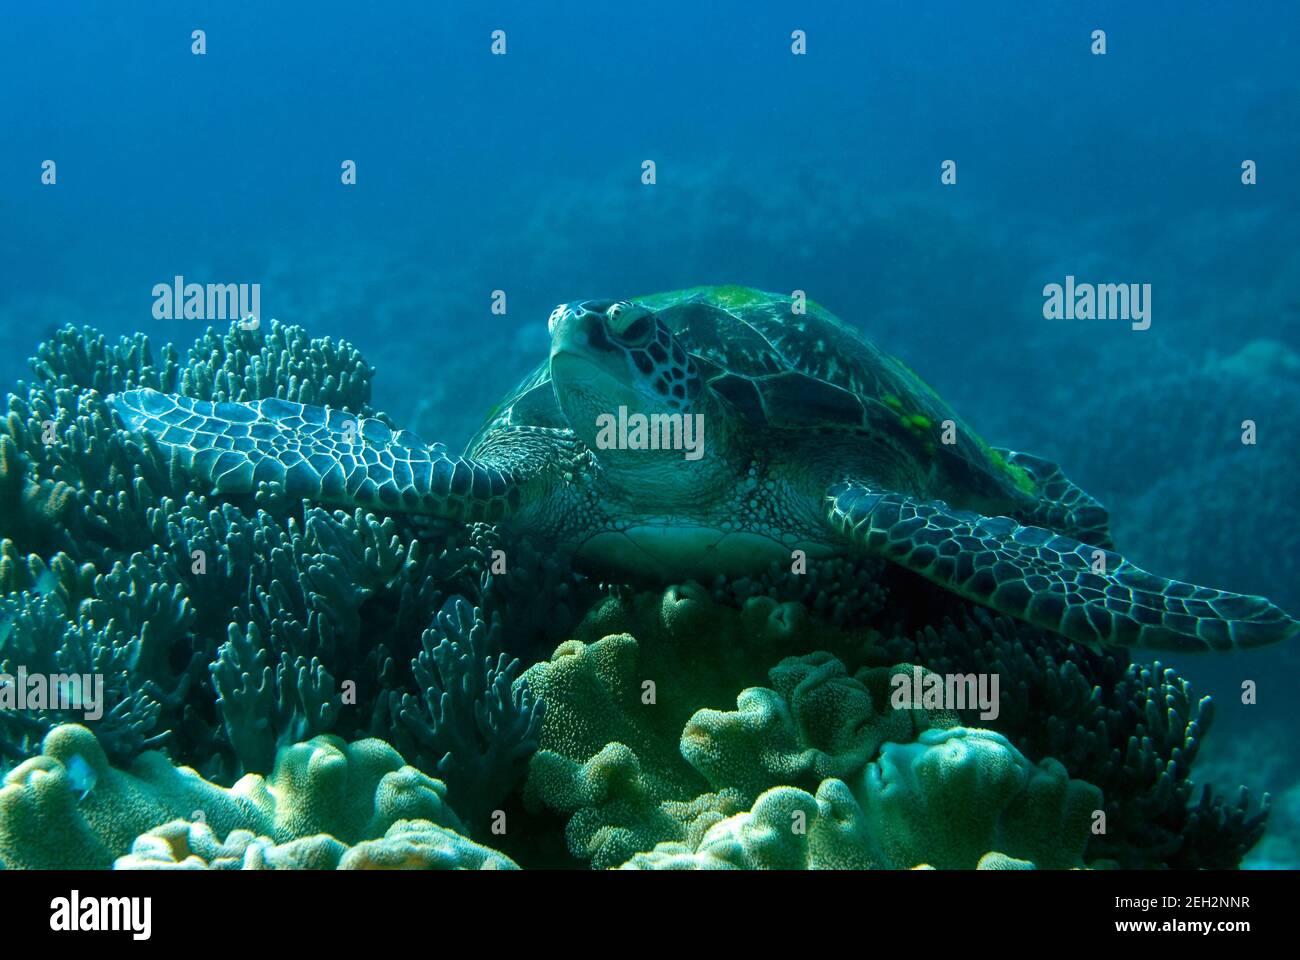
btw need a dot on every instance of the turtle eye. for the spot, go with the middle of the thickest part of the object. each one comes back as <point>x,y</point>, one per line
<point>630,323</point>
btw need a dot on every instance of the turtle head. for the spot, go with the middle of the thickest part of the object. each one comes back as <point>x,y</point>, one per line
<point>624,349</point>
<point>627,387</point>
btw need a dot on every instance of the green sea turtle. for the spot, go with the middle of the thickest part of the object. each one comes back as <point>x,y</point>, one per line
<point>711,431</point>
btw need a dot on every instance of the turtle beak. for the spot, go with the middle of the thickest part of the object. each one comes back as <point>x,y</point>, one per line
<point>576,328</point>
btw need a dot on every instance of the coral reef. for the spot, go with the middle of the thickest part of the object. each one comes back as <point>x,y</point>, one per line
<point>945,800</point>
<point>70,809</point>
<point>287,686</point>
<point>1133,730</point>
<point>634,755</point>
<point>846,592</point>
<point>226,628</point>
<point>814,723</point>
<point>406,845</point>
<point>473,723</point>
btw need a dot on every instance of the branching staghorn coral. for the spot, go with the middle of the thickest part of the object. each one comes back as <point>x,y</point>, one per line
<point>303,609</point>
<point>265,704</point>
<point>283,362</point>
<point>64,434</point>
<point>37,510</point>
<point>90,479</point>
<point>473,723</point>
<point>278,606</point>
<point>121,626</point>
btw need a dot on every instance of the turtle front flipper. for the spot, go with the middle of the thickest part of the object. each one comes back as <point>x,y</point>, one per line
<point>1062,504</point>
<point>1086,594</point>
<point>318,454</point>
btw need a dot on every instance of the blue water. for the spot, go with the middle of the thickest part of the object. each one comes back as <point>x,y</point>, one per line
<point>522,173</point>
<point>209,166</point>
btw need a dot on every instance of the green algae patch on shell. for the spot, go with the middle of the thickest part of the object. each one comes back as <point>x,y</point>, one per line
<point>725,295</point>
<point>1018,475</point>
<point>728,296</point>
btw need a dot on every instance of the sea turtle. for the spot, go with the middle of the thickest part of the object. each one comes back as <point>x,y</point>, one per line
<point>710,431</point>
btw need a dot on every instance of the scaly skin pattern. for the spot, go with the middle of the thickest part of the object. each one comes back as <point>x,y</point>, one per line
<point>813,440</point>
<point>319,454</point>
<point>1082,592</point>
<point>1062,505</point>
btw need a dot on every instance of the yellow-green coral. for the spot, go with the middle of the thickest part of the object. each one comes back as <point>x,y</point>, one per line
<point>608,757</point>
<point>618,698</point>
<point>638,747</point>
<point>814,722</point>
<point>945,800</point>
<point>180,845</point>
<point>353,792</point>
<point>407,845</point>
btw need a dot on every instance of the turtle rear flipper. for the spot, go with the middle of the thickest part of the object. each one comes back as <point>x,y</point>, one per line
<point>318,454</point>
<point>1062,505</point>
<point>1086,594</point>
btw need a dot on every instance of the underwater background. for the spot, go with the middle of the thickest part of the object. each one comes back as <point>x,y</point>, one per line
<point>522,173</point>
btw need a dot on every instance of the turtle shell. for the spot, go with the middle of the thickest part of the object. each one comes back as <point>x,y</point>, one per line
<point>779,370</point>
<point>782,369</point>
